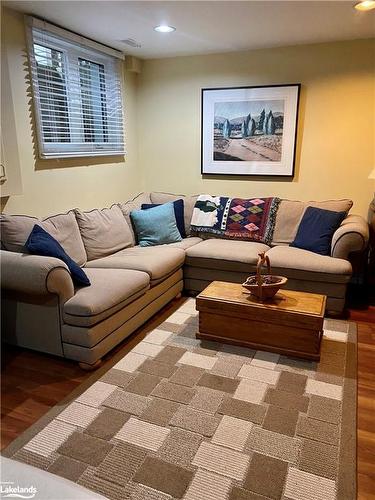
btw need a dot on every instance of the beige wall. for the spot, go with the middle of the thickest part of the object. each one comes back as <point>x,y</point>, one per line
<point>52,186</point>
<point>336,128</point>
<point>335,151</point>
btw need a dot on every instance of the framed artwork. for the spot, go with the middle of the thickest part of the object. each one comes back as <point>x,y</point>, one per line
<point>249,130</point>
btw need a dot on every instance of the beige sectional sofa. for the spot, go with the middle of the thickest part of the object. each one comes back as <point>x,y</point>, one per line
<point>42,310</point>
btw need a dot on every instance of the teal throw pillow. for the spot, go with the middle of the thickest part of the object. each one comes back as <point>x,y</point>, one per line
<point>156,226</point>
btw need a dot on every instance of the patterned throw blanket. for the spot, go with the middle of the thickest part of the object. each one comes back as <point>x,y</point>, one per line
<point>237,218</point>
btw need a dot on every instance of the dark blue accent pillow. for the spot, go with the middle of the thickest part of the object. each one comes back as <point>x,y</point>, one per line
<point>316,230</point>
<point>178,206</point>
<point>42,243</point>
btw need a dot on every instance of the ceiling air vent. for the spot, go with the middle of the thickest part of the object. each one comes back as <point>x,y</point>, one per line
<point>132,43</point>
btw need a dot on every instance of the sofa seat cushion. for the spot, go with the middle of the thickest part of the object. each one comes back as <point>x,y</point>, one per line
<point>125,320</point>
<point>300,264</point>
<point>185,243</point>
<point>158,262</point>
<point>228,255</point>
<point>110,291</point>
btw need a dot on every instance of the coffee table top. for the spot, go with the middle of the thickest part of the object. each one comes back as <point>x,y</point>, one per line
<point>285,300</point>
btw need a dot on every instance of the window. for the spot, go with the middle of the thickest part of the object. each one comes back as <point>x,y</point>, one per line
<point>77,94</point>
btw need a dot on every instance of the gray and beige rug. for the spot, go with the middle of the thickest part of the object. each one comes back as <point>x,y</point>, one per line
<point>177,418</point>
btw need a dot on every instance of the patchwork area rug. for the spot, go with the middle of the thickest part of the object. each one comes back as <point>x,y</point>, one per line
<point>180,418</point>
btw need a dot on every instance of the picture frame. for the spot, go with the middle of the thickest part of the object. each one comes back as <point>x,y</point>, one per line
<point>249,131</point>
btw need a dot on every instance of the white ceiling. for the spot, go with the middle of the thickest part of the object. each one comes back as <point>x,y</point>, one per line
<point>205,26</point>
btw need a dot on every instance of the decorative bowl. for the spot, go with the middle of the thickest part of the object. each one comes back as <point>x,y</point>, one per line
<point>264,286</point>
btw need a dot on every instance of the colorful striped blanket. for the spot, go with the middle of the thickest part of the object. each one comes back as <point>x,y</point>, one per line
<point>245,219</point>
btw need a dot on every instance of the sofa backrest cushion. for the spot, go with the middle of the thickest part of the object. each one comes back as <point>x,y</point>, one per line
<point>156,226</point>
<point>40,242</point>
<point>189,203</point>
<point>290,213</point>
<point>104,231</point>
<point>178,206</point>
<point>64,228</point>
<point>251,219</point>
<point>15,229</point>
<point>316,230</point>
<point>134,204</point>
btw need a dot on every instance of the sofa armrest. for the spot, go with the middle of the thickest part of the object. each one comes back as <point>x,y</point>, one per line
<point>35,275</point>
<point>351,236</point>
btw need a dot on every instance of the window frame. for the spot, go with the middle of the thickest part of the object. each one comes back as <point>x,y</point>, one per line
<point>105,92</point>
<point>90,51</point>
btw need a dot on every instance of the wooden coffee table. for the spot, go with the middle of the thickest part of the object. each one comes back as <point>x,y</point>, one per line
<point>291,323</point>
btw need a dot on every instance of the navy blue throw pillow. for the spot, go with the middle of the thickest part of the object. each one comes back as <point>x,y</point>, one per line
<point>42,243</point>
<point>178,206</point>
<point>316,230</point>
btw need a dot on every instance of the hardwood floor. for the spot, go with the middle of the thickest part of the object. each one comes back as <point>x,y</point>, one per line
<point>32,383</point>
<point>366,403</point>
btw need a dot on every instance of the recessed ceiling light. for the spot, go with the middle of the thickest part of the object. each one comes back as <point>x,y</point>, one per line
<point>365,5</point>
<point>164,28</point>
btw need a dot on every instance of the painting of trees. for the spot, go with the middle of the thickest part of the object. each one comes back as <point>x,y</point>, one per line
<point>227,129</point>
<point>265,125</point>
<point>251,128</point>
<point>261,119</point>
<point>271,126</point>
<point>244,129</point>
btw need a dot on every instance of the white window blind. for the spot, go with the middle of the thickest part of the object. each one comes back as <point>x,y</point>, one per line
<point>77,93</point>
